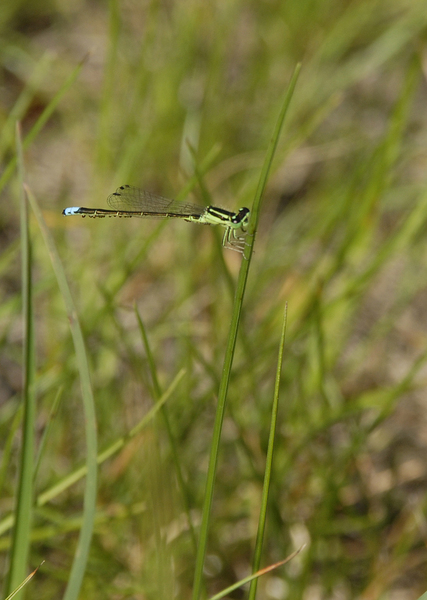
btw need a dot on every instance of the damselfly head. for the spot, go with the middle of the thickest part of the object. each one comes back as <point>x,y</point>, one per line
<point>241,218</point>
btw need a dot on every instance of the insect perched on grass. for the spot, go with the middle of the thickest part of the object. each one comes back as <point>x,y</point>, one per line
<point>129,201</point>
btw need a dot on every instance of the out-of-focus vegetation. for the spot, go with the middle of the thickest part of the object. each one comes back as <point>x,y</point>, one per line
<point>167,91</point>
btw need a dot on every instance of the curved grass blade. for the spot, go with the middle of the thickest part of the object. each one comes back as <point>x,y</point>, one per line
<point>82,551</point>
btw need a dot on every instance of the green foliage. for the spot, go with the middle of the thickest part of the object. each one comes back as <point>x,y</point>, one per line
<point>181,98</point>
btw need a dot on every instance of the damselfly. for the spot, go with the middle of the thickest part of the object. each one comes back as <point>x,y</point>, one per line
<point>129,201</point>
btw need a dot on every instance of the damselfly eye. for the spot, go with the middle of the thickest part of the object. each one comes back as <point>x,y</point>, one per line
<point>242,216</point>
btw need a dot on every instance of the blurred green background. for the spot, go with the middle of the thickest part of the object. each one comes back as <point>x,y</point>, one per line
<point>168,90</point>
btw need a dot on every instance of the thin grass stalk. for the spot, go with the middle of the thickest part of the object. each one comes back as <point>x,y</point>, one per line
<point>231,343</point>
<point>269,462</point>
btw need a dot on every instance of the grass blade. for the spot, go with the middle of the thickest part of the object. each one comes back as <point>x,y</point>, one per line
<point>83,545</point>
<point>269,462</point>
<point>232,337</point>
<point>23,512</point>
